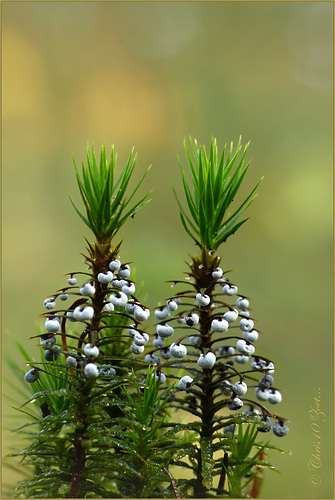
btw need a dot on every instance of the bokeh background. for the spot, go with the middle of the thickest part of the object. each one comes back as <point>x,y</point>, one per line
<point>149,74</point>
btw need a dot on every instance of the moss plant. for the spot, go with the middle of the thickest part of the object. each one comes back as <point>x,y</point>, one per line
<point>123,413</point>
<point>224,376</point>
<point>87,324</point>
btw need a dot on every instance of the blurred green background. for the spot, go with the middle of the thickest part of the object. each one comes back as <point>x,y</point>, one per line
<point>149,74</point>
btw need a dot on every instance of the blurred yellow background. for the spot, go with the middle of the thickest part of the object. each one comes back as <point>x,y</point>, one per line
<point>149,74</point>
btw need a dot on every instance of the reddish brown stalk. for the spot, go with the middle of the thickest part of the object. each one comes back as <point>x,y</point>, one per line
<point>173,483</point>
<point>64,344</point>
<point>258,479</point>
<point>63,323</point>
<point>76,469</point>
<point>223,474</point>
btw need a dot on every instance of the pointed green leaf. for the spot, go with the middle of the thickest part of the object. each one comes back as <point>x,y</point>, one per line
<point>182,211</point>
<point>79,213</point>
<point>225,233</point>
<point>191,167</point>
<point>191,204</point>
<point>93,173</point>
<point>187,229</point>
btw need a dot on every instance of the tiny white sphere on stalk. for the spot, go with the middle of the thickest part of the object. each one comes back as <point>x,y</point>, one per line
<point>49,303</point>
<point>158,341</point>
<point>229,290</point>
<point>262,364</point>
<point>191,319</point>
<point>235,404</point>
<point>165,352</point>
<point>195,340</point>
<point>71,362</point>
<point>219,325</point>
<point>279,429</point>
<point>52,325</point>
<point>83,314</point>
<point>129,288</point>
<point>162,313</point>
<point>242,303</point>
<point>178,350</point>
<point>70,316</point>
<point>185,383</point>
<point>172,305</point>
<point>161,378</point>
<point>136,349</point>
<point>245,348</point>
<point>31,376</point>
<point>164,330</point>
<point>140,338</point>
<point>241,359</point>
<point>151,358</point>
<point>251,336</point>
<point>203,300</point>
<point>91,370</point>
<point>107,371</point>
<point>118,299</point>
<point>226,350</point>
<point>114,265</point>
<point>141,313</point>
<point>244,314</point>
<point>47,341</point>
<point>124,271</point>
<point>262,394</point>
<point>246,325</point>
<point>130,306</point>
<point>231,316</point>
<point>207,361</point>
<point>91,352</point>
<point>108,307</point>
<point>118,283</point>
<point>105,277</point>
<point>132,330</point>
<point>240,387</point>
<point>87,290</point>
<point>217,273</point>
<point>274,396</point>
<point>226,388</point>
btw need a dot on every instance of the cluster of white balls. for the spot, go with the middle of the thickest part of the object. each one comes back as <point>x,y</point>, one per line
<point>119,294</point>
<point>117,276</point>
<point>244,350</point>
<point>219,324</point>
<point>265,425</point>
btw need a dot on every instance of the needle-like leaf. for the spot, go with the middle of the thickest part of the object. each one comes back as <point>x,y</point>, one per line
<point>215,185</point>
<point>104,200</point>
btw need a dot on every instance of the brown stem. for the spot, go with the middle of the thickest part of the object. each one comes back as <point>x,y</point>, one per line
<point>76,468</point>
<point>202,268</point>
<point>173,483</point>
<point>223,474</point>
<point>258,479</point>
